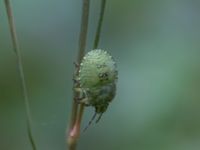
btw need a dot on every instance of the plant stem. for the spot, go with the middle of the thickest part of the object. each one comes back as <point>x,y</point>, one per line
<point>75,121</point>
<point>75,132</point>
<point>99,26</point>
<point>83,30</point>
<point>21,70</point>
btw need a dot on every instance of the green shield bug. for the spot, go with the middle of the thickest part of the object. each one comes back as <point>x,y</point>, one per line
<point>96,81</point>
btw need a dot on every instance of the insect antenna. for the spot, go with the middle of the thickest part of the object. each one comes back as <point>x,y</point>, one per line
<point>93,117</point>
<point>99,118</point>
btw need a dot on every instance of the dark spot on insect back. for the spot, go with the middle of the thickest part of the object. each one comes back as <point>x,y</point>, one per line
<point>103,76</point>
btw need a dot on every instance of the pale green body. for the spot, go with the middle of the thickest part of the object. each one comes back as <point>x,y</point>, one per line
<point>97,80</point>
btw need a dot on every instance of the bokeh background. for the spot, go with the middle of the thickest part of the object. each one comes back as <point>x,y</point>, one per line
<point>156,46</point>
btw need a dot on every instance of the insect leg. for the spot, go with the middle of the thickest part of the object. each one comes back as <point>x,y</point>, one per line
<point>90,122</point>
<point>75,79</point>
<point>79,90</point>
<point>82,97</point>
<point>76,65</point>
<point>99,118</point>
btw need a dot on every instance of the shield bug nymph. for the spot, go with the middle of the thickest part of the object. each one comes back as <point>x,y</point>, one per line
<point>97,81</point>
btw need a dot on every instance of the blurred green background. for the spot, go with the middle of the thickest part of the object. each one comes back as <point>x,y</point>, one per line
<point>156,45</point>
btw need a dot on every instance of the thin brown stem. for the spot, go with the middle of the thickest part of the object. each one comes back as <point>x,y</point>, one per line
<point>75,120</point>
<point>99,26</point>
<point>21,70</point>
<point>82,43</point>
<point>75,132</point>
<point>83,31</point>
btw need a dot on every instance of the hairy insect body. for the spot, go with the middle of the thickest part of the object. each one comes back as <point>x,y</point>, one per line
<point>97,80</point>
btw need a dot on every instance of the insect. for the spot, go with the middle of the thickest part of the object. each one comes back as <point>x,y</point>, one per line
<point>96,81</point>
